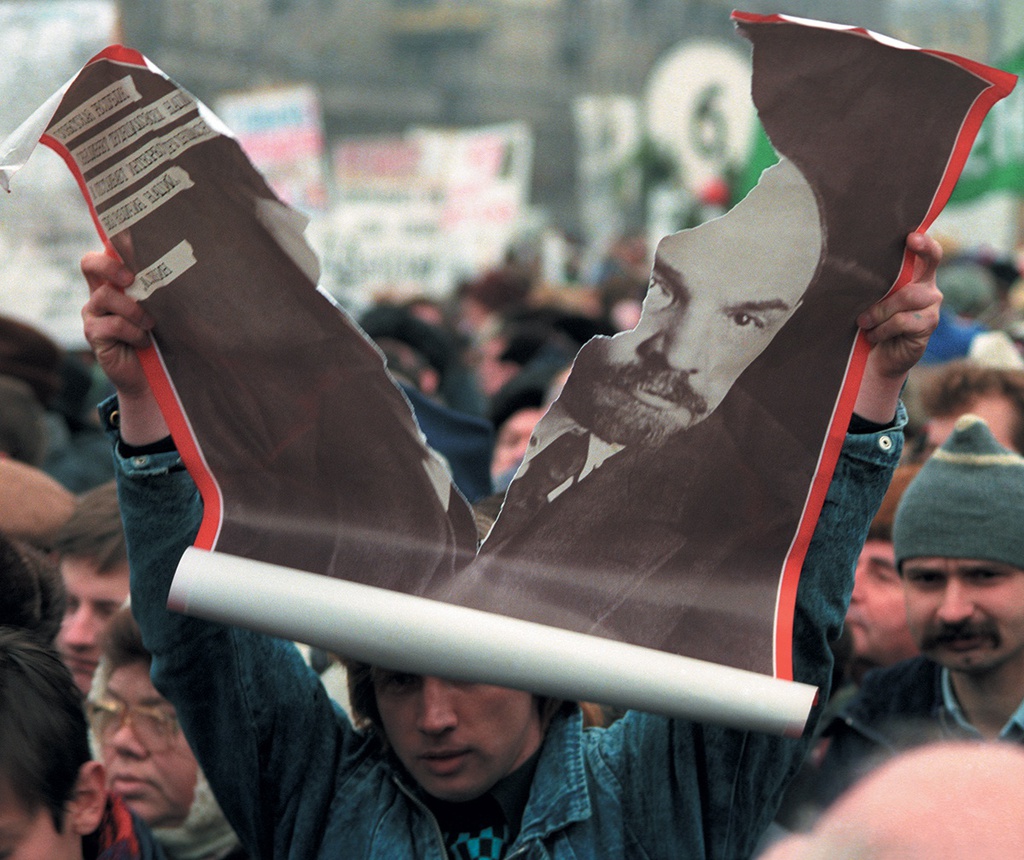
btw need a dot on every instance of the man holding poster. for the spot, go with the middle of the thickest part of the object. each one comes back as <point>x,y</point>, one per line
<point>290,428</point>
<point>496,767</point>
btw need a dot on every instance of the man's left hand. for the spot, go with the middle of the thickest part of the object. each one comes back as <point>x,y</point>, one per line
<point>898,328</point>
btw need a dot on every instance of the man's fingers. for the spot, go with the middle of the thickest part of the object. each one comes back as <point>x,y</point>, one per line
<point>107,300</point>
<point>100,268</point>
<point>114,324</point>
<point>103,332</point>
<point>914,314</point>
<point>917,297</point>
<point>919,294</point>
<point>927,255</point>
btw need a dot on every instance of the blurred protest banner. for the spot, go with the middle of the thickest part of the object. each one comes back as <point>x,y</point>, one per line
<point>45,232</point>
<point>281,130</point>
<point>415,213</point>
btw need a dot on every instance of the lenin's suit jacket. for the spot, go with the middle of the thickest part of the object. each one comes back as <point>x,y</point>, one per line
<point>624,552</point>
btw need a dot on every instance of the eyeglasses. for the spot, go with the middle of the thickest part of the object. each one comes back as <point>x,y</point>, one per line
<point>153,726</point>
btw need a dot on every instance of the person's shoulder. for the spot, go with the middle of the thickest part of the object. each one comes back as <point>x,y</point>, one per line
<point>907,688</point>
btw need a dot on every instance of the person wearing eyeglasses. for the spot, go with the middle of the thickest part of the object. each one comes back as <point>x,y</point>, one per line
<point>148,761</point>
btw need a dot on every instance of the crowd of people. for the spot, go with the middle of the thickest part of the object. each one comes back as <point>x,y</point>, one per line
<point>128,731</point>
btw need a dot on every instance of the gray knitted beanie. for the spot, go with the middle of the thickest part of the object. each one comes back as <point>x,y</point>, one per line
<point>966,502</point>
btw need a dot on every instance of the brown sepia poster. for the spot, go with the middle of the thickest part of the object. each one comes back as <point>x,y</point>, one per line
<point>671,490</point>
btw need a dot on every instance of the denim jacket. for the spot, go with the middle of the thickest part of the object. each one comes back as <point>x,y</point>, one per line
<point>297,781</point>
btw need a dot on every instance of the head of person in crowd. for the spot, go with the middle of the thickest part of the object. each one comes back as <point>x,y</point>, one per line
<point>968,287</point>
<point>514,412</point>
<point>942,801</point>
<point>622,298</point>
<point>719,294</point>
<point>33,505</point>
<point>430,311</point>
<point>416,351</point>
<point>53,797</point>
<point>22,422</point>
<point>456,740</point>
<point>877,617</point>
<point>31,356</point>
<point>960,552</point>
<point>93,560</point>
<point>995,394</point>
<point>148,762</point>
<point>485,299</point>
<point>537,342</point>
<point>31,590</point>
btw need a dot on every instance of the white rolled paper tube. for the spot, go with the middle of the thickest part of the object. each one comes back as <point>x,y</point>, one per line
<point>413,634</point>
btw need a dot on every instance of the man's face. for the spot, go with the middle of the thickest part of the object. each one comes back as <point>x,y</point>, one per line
<point>877,618</point>
<point>155,773</point>
<point>718,295</point>
<point>456,739</point>
<point>999,414</point>
<point>92,600</point>
<point>513,440</point>
<point>967,614</point>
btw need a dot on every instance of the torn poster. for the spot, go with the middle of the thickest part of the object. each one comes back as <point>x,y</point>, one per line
<point>676,538</point>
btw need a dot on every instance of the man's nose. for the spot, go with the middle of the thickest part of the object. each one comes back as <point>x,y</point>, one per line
<point>858,588</point>
<point>675,349</point>
<point>957,603</point>
<point>79,628</point>
<point>125,742</point>
<point>437,711</point>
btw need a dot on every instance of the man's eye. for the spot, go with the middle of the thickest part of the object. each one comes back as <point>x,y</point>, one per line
<point>924,580</point>
<point>397,682</point>
<point>983,574</point>
<point>743,319</point>
<point>660,294</point>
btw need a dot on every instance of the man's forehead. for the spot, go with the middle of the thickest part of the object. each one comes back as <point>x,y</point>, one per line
<point>953,565</point>
<point>710,279</point>
<point>767,247</point>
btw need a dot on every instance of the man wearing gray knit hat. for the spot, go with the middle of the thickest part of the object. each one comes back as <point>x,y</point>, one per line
<point>959,549</point>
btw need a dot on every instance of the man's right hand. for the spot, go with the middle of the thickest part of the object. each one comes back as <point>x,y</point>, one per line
<point>115,326</point>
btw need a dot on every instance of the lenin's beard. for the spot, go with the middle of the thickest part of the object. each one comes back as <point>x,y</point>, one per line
<point>601,396</point>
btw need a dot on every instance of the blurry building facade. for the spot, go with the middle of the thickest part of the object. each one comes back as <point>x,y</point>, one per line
<point>381,66</point>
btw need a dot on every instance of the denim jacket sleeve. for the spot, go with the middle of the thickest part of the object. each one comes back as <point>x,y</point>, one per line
<point>233,689</point>
<point>724,786</point>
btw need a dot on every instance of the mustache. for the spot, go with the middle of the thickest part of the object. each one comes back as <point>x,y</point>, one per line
<point>671,385</point>
<point>947,634</point>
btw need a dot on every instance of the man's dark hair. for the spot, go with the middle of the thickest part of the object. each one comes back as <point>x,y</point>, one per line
<point>32,595</point>
<point>958,384</point>
<point>43,734</point>
<point>394,323</point>
<point>94,531</point>
<point>122,642</point>
<point>23,433</point>
<point>363,697</point>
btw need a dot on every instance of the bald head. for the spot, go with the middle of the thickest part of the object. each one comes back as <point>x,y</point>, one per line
<point>944,801</point>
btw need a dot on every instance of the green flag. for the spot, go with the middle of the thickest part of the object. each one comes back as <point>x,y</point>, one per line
<point>996,162</point>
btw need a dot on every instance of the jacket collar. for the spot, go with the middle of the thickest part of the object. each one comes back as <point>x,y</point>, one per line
<point>559,794</point>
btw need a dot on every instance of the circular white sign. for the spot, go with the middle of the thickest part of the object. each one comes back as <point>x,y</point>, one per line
<point>698,108</point>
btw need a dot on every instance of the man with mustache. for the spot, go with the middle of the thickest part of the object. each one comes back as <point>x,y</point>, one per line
<point>655,437</point>
<point>704,321</point>
<point>960,553</point>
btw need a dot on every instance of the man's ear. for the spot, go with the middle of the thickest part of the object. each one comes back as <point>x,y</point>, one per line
<point>87,804</point>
